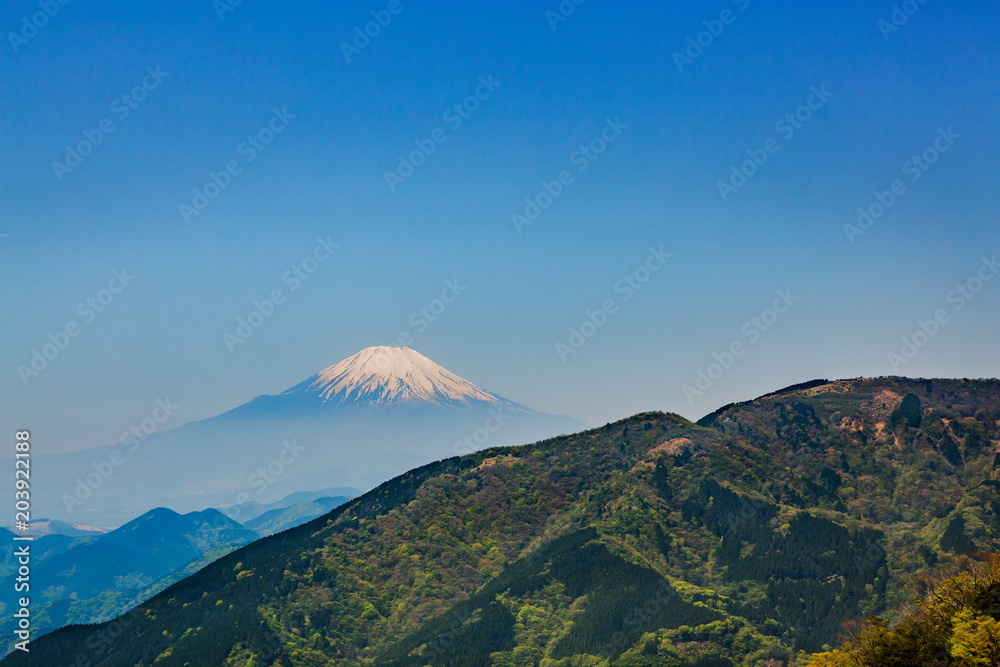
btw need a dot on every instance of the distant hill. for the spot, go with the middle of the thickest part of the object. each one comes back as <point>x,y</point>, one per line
<point>43,527</point>
<point>651,541</point>
<point>277,520</point>
<point>90,579</point>
<point>251,510</point>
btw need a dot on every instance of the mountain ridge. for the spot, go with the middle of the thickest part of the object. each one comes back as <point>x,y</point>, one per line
<point>97,577</point>
<point>788,516</point>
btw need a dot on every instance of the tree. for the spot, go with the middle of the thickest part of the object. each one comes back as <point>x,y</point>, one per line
<point>955,625</point>
<point>909,410</point>
<point>976,639</point>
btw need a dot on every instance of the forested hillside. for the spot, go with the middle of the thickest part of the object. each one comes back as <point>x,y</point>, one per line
<point>94,578</point>
<point>749,537</point>
<point>956,622</point>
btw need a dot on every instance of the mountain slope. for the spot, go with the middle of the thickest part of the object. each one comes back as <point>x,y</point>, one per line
<point>354,424</point>
<point>649,541</point>
<point>94,578</point>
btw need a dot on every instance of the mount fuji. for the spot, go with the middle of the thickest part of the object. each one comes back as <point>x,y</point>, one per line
<point>378,377</point>
<point>357,423</point>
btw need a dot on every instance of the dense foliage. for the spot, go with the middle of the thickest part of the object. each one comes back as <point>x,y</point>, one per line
<point>957,623</point>
<point>748,540</point>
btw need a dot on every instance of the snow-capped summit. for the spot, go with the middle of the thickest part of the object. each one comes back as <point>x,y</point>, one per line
<point>370,417</point>
<point>392,375</point>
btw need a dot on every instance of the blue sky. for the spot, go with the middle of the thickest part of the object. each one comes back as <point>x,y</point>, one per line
<point>344,122</point>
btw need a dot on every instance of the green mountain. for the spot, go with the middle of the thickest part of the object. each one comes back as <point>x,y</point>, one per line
<point>90,579</point>
<point>747,538</point>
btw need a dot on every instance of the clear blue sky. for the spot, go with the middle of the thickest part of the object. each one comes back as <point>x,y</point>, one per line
<point>323,175</point>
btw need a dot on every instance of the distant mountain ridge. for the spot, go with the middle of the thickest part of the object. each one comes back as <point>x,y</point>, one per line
<point>86,575</point>
<point>96,577</point>
<point>43,527</point>
<point>251,510</point>
<point>277,520</point>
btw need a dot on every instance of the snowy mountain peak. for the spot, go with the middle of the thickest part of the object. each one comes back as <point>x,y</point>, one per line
<point>384,375</point>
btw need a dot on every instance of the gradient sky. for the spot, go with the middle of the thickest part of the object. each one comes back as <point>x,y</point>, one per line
<point>323,176</point>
